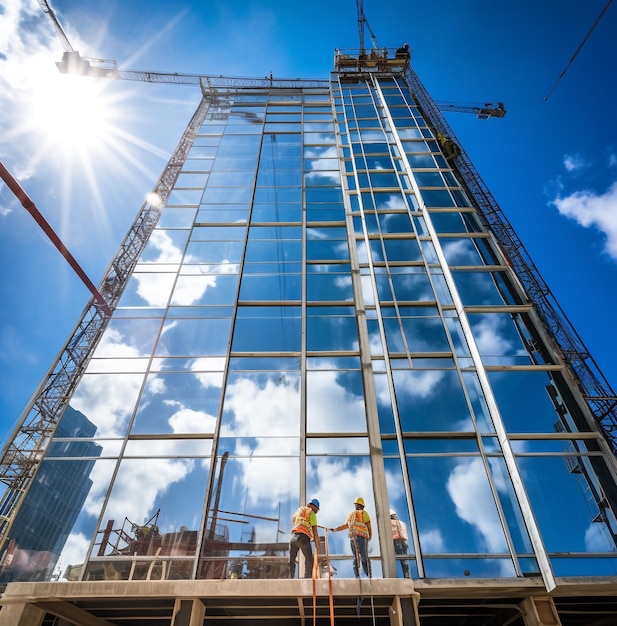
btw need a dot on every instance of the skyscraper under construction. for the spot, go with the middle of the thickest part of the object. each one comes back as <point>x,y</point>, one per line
<point>320,299</point>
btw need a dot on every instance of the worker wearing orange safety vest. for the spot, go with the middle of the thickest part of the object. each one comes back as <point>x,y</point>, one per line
<point>303,531</point>
<point>358,524</point>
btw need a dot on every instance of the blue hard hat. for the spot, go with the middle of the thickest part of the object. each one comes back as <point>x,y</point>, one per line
<point>314,502</point>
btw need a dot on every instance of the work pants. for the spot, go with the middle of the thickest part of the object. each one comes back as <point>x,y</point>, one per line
<point>400,547</point>
<point>300,541</point>
<point>359,549</point>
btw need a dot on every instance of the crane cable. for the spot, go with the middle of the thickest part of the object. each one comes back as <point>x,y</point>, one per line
<point>579,48</point>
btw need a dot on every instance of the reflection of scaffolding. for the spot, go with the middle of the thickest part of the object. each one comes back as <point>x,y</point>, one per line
<point>121,541</point>
<point>257,560</point>
<point>582,466</point>
<point>139,552</point>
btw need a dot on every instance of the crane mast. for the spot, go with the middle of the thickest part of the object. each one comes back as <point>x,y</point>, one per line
<point>52,16</point>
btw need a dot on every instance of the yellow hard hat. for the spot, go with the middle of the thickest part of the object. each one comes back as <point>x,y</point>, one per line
<point>359,501</point>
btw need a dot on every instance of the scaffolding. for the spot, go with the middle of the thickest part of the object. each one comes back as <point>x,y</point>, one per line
<point>590,381</point>
<point>26,447</point>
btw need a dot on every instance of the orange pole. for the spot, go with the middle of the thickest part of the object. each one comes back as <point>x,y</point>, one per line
<point>27,203</point>
<point>329,578</point>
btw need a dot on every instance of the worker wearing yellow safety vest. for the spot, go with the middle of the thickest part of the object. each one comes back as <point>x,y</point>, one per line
<point>303,531</point>
<point>358,524</point>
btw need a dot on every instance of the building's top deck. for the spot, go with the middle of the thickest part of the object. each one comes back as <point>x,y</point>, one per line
<point>375,60</point>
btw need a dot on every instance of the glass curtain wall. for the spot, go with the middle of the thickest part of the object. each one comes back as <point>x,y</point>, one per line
<point>320,312</point>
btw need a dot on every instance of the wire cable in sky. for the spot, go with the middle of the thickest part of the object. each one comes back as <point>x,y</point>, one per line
<point>578,49</point>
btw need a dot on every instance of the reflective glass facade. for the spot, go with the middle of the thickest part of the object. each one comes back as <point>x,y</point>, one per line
<point>322,312</point>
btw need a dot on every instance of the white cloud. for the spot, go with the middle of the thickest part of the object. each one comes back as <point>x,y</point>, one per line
<point>190,421</point>
<point>331,406</point>
<point>574,162</point>
<point>74,551</point>
<point>469,489</point>
<point>277,404</point>
<point>488,339</point>
<point>418,383</point>
<point>432,541</point>
<point>107,400</point>
<point>150,479</point>
<point>593,210</point>
<point>344,482</point>
<point>459,253</point>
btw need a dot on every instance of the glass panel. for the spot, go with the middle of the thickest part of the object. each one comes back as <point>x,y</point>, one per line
<point>328,282</point>
<point>164,246</point>
<point>148,289</point>
<point>431,400</point>
<point>498,339</point>
<point>395,223</point>
<point>194,337</point>
<point>461,252</point>
<point>161,522</point>
<point>247,536</point>
<point>267,329</point>
<point>181,197</point>
<point>326,250</point>
<point>176,218</point>
<point>108,400</point>
<point>179,403</point>
<point>562,488</point>
<point>330,331</point>
<point>523,401</point>
<point>511,509</point>
<point>454,507</point>
<point>402,250</point>
<point>350,477</point>
<point>255,399</point>
<point>481,288</point>
<point>273,250</point>
<point>214,252</point>
<point>208,290</point>
<point>271,287</point>
<point>464,568</point>
<point>425,334</point>
<point>335,402</point>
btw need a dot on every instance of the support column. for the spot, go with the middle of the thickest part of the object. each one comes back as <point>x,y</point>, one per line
<point>21,614</point>
<point>188,612</point>
<point>404,611</point>
<point>540,612</point>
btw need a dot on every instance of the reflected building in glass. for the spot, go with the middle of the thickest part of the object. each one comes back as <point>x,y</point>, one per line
<point>321,305</point>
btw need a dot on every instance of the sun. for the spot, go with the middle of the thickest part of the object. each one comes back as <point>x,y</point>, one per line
<point>72,114</point>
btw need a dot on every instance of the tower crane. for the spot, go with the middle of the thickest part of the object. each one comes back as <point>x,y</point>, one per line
<point>482,110</point>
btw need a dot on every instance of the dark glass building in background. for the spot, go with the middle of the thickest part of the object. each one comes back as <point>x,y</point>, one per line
<point>47,516</point>
<point>322,309</point>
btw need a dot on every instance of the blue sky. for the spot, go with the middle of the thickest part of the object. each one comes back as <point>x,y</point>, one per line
<point>88,150</point>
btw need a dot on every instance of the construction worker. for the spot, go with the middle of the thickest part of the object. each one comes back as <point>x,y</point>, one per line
<point>304,530</point>
<point>403,52</point>
<point>399,536</point>
<point>358,525</point>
